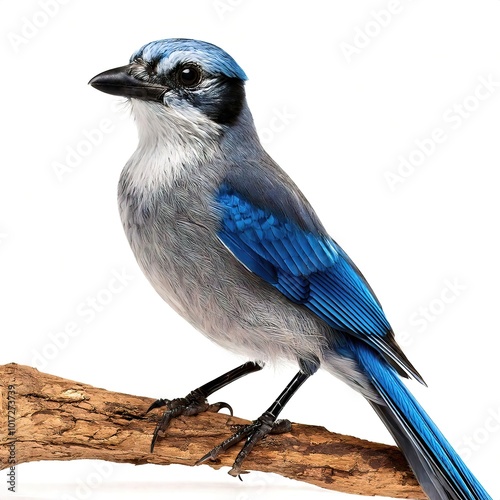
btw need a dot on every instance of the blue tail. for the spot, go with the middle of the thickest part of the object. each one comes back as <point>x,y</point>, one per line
<point>439,470</point>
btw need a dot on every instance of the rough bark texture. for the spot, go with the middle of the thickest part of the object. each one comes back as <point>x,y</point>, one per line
<point>44,417</point>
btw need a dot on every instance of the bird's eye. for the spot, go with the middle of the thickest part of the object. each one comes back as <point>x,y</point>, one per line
<point>189,76</point>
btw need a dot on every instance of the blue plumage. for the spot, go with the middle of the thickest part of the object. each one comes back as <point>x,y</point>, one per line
<point>209,56</point>
<point>440,471</point>
<point>200,192</point>
<point>309,268</point>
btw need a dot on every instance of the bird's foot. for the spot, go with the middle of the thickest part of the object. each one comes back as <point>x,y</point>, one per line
<point>253,433</point>
<point>194,403</point>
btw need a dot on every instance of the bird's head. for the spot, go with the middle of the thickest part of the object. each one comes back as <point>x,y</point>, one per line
<point>188,78</point>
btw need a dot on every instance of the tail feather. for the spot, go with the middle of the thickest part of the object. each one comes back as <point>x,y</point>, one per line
<point>438,468</point>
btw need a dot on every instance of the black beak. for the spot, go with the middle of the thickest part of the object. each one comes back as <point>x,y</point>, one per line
<point>119,81</point>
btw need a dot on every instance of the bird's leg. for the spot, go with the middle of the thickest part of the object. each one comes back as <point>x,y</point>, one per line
<point>196,401</point>
<point>267,423</point>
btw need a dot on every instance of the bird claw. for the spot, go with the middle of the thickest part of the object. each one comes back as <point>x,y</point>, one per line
<point>158,404</point>
<point>217,407</point>
<point>253,433</point>
<point>193,404</point>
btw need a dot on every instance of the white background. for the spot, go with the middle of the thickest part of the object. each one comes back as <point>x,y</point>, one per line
<point>353,105</point>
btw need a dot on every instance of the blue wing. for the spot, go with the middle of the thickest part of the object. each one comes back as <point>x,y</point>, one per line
<point>309,268</point>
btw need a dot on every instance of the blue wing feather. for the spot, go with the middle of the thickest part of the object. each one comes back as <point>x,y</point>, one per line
<point>291,251</point>
<point>308,267</point>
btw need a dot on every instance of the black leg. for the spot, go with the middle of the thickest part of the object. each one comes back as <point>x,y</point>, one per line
<point>266,424</point>
<point>196,401</point>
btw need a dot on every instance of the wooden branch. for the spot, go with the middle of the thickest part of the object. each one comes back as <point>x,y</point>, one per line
<point>44,417</point>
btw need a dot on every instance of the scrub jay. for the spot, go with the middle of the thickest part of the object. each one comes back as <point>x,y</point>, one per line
<point>230,242</point>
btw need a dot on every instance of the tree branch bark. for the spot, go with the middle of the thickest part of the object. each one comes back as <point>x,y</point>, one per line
<point>43,417</point>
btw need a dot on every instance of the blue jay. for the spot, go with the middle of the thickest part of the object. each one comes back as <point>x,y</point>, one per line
<point>229,241</point>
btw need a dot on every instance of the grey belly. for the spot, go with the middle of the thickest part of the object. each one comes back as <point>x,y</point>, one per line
<point>200,279</point>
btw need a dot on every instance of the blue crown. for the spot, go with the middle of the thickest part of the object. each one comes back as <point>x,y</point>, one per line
<point>211,57</point>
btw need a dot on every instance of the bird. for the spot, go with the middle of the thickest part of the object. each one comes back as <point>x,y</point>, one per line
<point>229,241</point>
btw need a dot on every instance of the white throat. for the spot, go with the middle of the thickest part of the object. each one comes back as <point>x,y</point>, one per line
<point>172,139</point>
